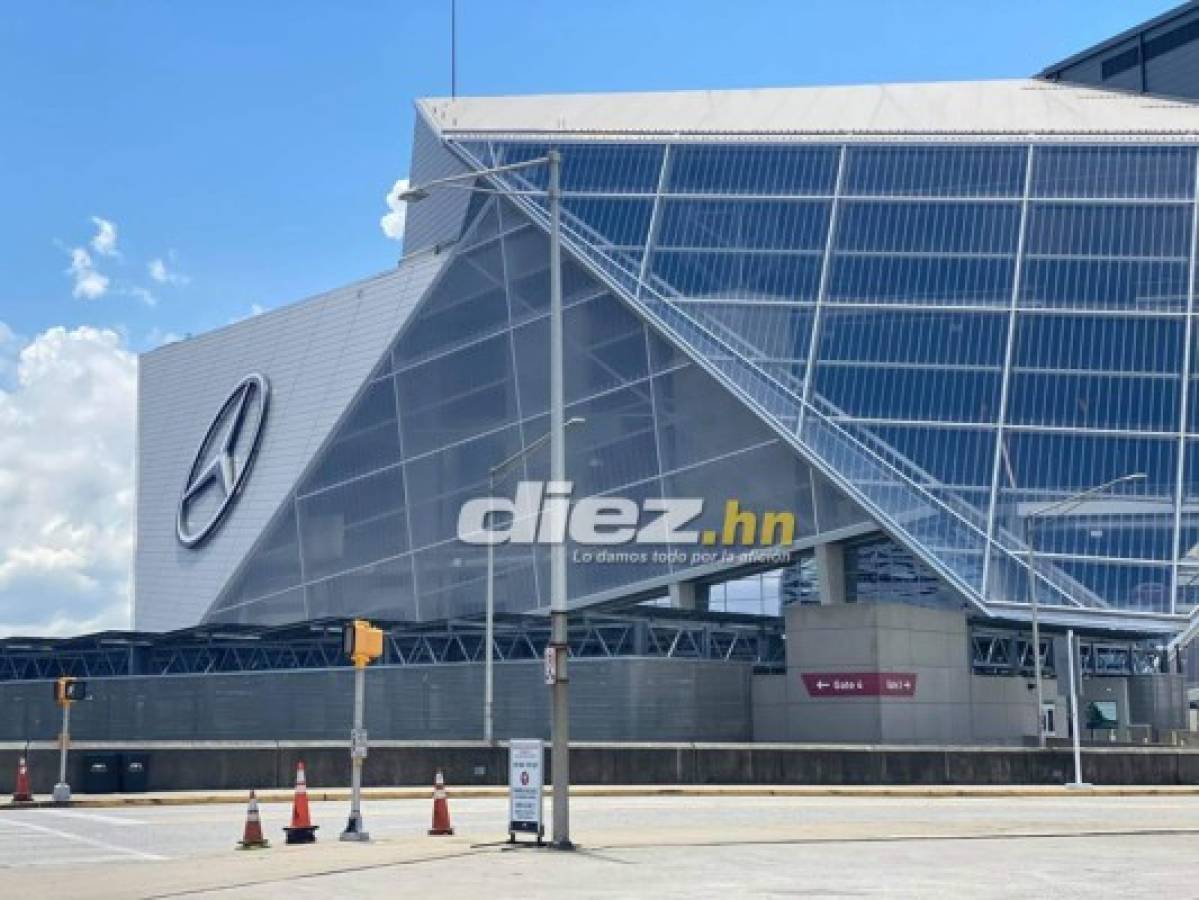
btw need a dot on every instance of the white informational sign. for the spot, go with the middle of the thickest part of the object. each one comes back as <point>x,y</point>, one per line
<point>358,743</point>
<point>551,665</point>
<point>524,787</point>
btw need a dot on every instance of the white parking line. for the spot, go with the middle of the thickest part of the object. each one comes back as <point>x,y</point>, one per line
<point>95,817</point>
<point>70,860</point>
<point>91,842</point>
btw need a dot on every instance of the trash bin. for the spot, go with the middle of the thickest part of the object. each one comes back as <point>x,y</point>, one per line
<point>101,773</point>
<point>135,773</point>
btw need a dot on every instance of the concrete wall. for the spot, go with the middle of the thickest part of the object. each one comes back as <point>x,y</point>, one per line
<point>627,699</point>
<point>213,766</point>
<point>950,704</point>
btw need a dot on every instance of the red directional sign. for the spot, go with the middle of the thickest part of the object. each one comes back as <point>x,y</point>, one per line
<point>860,684</point>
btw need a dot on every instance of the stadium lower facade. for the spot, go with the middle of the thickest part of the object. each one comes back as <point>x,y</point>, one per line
<point>946,330</point>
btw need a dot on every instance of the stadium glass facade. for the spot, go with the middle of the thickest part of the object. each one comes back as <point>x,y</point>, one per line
<point>370,529</point>
<point>938,338</point>
<point>961,335</point>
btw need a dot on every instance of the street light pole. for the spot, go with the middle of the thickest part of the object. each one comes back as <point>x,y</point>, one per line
<point>560,697</point>
<point>1030,521</point>
<point>560,726</point>
<point>1072,657</point>
<point>493,474</point>
<point>489,635</point>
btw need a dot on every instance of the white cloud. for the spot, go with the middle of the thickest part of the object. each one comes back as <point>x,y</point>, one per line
<point>89,283</point>
<point>142,294</point>
<point>9,347</point>
<point>105,241</point>
<point>66,482</point>
<point>164,274</point>
<point>392,222</point>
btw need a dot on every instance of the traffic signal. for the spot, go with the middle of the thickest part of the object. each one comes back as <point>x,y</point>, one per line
<point>69,690</point>
<point>362,641</point>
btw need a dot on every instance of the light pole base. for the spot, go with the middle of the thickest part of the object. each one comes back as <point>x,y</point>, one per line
<point>61,793</point>
<point>1079,785</point>
<point>562,845</point>
<point>354,831</point>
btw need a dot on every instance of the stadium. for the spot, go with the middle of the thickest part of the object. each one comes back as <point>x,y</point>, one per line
<point>944,330</point>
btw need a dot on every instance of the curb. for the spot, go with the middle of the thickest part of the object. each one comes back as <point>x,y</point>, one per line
<point>598,791</point>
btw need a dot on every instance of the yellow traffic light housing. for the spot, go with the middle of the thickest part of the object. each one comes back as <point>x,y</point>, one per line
<point>362,642</point>
<point>69,690</point>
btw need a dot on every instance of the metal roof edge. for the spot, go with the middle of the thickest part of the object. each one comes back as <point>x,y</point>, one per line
<point>1117,39</point>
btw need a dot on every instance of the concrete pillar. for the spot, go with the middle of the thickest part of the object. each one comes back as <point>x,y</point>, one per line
<point>688,595</point>
<point>830,572</point>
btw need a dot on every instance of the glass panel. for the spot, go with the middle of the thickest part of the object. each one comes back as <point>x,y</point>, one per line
<point>614,446</point>
<point>357,522</point>
<point>758,332</point>
<point>380,590</point>
<point>368,439</point>
<point>959,458</point>
<point>1133,520</point>
<point>1094,401</point>
<point>1146,286</point>
<point>468,302</point>
<point>921,280</point>
<point>928,227</point>
<point>284,608</point>
<point>622,222</point>
<point>779,483</point>
<point>592,168</point>
<point>1099,343</point>
<point>738,275</point>
<point>274,565</point>
<point>456,396</point>
<point>928,338</point>
<point>932,171</point>
<point>698,420</point>
<point>753,170</point>
<point>1109,230</point>
<point>1132,172</point>
<point>934,395</point>
<point>753,224</point>
<point>605,347</point>
<point>441,482</point>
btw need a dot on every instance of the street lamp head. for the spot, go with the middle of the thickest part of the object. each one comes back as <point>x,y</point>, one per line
<point>412,195</point>
<point>573,421</point>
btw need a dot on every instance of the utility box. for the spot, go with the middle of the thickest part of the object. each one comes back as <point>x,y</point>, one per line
<point>101,773</point>
<point>135,773</point>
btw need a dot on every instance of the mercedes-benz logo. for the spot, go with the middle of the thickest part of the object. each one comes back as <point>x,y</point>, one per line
<point>223,461</point>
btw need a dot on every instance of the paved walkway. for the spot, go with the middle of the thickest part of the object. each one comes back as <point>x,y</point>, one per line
<point>665,846</point>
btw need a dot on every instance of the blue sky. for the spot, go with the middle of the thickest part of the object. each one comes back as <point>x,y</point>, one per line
<point>169,167</point>
<point>256,140</point>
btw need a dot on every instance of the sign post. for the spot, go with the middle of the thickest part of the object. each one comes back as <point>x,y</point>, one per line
<point>525,779</point>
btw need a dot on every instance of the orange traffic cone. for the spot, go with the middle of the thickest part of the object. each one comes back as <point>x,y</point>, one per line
<point>441,807</point>
<point>252,838</point>
<point>21,793</point>
<point>301,830</point>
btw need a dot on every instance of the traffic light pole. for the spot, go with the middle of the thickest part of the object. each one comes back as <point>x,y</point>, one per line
<point>62,790</point>
<point>354,830</point>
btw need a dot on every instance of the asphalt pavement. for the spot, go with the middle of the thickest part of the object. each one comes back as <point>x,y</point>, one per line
<point>664,846</point>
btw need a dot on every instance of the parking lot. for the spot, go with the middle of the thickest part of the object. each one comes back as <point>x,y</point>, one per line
<point>661,846</point>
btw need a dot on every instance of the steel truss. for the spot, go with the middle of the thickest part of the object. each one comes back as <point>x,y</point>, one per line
<point>995,652</point>
<point>317,645</point>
